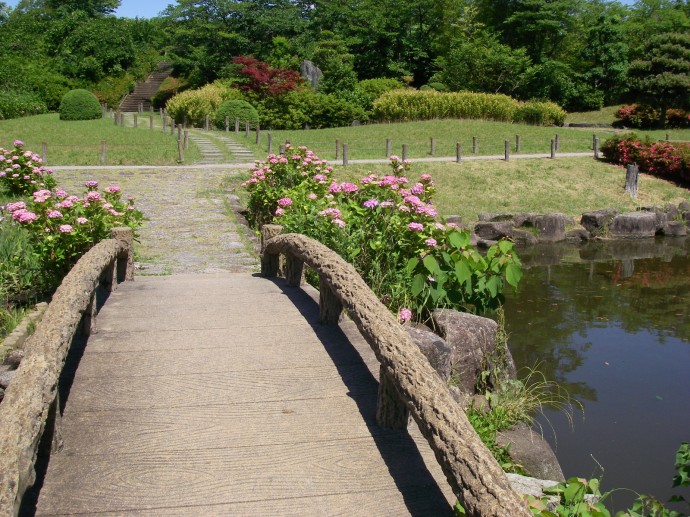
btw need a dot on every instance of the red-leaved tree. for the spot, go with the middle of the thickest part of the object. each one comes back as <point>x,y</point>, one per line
<point>261,78</point>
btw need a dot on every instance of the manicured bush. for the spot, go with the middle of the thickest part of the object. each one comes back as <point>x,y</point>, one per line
<point>20,104</point>
<point>540,113</point>
<point>192,106</point>
<point>235,109</point>
<point>112,89</point>
<point>305,107</point>
<point>79,105</point>
<point>665,159</point>
<point>400,106</point>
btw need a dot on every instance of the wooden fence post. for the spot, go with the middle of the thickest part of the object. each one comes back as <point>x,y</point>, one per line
<point>136,121</point>
<point>237,125</point>
<point>432,146</point>
<point>517,143</point>
<point>172,126</point>
<point>258,135</point>
<point>337,149</point>
<point>151,121</point>
<point>44,152</point>
<point>117,118</point>
<point>632,173</point>
<point>270,142</point>
<point>389,147</point>
<point>246,129</point>
<point>345,155</point>
<point>553,148</point>
<point>506,149</point>
<point>180,151</point>
<point>179,131</point>
<point>165,123</point>
<point>103,151</point>
<point>596,147</point>
<point>281,149</point>
<point>404,152</point>
<point>557,140</point>
<point>186,139</point>
<point>458,152</point>
<point>207,123</point>
<point>475,145</point>
<point>227,124</point>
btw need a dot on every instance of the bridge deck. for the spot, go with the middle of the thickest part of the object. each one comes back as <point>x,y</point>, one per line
<point>222,395</point>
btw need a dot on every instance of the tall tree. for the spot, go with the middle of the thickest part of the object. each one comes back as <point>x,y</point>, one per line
<point>662,78</point>
<point>91,7</point>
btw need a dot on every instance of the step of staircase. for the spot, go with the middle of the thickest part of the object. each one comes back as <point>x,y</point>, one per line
<point>143,91</point>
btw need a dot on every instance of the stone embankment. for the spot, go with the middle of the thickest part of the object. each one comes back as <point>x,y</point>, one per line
<point>528,229</point>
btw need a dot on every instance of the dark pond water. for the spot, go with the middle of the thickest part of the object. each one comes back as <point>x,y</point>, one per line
<point>610,323</point>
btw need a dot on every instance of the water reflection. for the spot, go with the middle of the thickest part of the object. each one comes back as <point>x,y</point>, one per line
<point>610,323</point>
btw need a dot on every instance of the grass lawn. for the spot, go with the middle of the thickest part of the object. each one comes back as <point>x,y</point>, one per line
<point>605,115</point>
<point>79,142</point>
<point>369,141</point>
<point>566,185</point>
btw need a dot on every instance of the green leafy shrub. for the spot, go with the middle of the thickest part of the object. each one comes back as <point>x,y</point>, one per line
<point>79,105</point>
<point>399,106</point>
<point>233,109</point>
<point>643,116</point>
<point>302,107</point>
<point>540,113</point>
<point>112,90</point>
<point>192,106</point>
<point>20,104</point>
<point>297,191</point>
<point>371,89</point>
<point>170,87</point>
<point>22,172</point>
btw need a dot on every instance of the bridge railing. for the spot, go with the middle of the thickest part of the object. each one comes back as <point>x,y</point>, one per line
<point>31,406</point>
<point>408,385</point>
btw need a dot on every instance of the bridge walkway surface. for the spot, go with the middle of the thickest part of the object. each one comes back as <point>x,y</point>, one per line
<point>223,395</point>
<point>209,392</point>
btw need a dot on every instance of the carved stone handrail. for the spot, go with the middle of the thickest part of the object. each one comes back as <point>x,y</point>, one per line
<point>408,383</point>
<point>31,404</point>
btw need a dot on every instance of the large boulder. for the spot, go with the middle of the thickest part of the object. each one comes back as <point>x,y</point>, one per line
<point>531,451</point>
<point>493,231</point>
<point>551,227</point>
<point>472,340</point>
<point>674,229</point>
<point>634,225</point>
<point>597,222</point>
<point>311,73</point>
<point>434,348</point>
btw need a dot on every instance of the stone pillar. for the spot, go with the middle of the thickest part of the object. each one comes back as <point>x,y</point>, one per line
<point>391,412</point>
<point>330,307</point>
<point>269,263</point>
<point>125,261</point>
<point>294,271</point>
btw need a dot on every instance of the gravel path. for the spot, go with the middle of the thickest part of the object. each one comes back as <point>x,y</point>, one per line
<point>190,226</point>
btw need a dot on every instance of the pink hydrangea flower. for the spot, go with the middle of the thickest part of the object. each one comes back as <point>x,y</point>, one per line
<point>82,220</point>
<point>13,207</point>
<point>93,196</point>
<point>404,315</point>
<point>91,184</point>
<point>18,143</point>
<point>349,187</point>
<point>431,242</point>
<point>312,196</point>
<point>279,212</point>
<point>113,189</point>
<point>339,222</point>
<point>416,227</point>
<point>54,214</point>
<point>371,203</point>
<point>66,228</point>
<point>284,202</point>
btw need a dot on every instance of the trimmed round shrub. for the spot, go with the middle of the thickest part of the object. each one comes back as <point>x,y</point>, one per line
<point>235,109</point>
<point>79,105</point>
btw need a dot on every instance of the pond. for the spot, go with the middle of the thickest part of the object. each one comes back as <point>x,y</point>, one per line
<point>610,323</point>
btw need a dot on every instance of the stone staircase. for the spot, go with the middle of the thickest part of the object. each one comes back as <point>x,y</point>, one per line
<point>143,91</point>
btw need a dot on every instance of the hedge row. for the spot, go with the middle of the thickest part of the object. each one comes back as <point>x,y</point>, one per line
<point>401,106</point>
<point>19,104</point>
<point>665,159</point>
<point>643,116</point>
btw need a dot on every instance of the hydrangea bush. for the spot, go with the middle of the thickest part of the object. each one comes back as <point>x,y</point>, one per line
<point>62,227</point>
<point>22,171</point>
<point>388,228</point>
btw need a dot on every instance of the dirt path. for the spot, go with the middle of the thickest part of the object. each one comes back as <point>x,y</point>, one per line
<point>190,227</point>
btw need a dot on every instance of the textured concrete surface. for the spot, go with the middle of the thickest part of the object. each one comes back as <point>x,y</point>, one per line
<point>223,395</point>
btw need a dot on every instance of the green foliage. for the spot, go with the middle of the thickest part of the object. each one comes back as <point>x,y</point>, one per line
<point>112,90</point>
<point>192,106</point>
<point>487,423</point>
<point>427,105</point>
<point>573,500</point>
<point>170,87</point>
<point>79,104</point>
<point>662,77</point>
<point>20,104</point>
<point>233,109</point>
<point>540,114</point>
<point>305,107</point>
